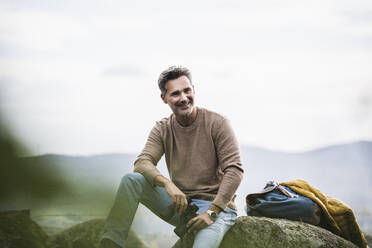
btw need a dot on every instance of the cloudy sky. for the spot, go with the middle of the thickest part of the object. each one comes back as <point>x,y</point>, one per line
<point>79,77</point>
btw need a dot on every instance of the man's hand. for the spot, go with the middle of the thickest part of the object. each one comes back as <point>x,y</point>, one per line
<point>199,222</point>
<point>202,220</point>
<point>178,197</point>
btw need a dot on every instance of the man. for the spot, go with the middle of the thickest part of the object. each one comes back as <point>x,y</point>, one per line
<point>203,160</point>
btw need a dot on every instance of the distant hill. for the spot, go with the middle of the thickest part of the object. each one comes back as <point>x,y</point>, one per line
<point>339,170</point>
<point>107,168</point>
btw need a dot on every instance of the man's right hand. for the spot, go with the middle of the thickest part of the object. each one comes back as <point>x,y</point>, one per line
<point>179,200</point>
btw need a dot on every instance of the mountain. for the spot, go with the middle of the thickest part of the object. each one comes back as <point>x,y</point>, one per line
<point>107,168</point>
<point>339,170</point>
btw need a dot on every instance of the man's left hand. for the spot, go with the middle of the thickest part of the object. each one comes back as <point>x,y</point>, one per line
<point>199,222</point>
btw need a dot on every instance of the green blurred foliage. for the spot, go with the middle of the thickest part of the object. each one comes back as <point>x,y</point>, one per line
<point>18,180</point>
<point>30,182</point>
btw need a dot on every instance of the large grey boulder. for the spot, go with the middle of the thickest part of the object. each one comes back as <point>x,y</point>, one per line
<point>87,234</point>
<point>262,232</point>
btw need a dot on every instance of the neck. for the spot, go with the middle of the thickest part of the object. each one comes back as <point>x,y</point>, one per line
<point>187,120</point>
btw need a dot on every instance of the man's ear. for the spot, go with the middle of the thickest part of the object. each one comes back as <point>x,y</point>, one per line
<point>163,98</point>
<point>193,88</point>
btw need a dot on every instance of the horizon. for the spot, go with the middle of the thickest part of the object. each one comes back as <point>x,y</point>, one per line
<point>241,146</point>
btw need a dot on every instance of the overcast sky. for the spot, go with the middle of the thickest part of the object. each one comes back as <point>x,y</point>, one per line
<point>80,77</point>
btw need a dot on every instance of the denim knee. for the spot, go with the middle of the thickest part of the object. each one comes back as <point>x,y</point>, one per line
<point>131,178</point>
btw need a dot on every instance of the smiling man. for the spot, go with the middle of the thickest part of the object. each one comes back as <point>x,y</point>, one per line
<point>203,160</point>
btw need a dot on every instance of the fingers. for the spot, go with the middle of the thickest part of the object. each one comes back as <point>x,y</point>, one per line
<point>180,203</point>
<point>177,204</point>
<point>179,200</point>
<point>199,222</point>
<point>194,225</point>
<point>183,204</point>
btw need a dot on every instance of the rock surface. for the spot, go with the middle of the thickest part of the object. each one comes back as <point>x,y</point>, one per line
<point>18,230</point>
<point>261,232</point>
<point>87,234</point>
<point>369,239</point>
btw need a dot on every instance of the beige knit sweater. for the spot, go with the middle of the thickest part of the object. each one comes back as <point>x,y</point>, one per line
<point>203,159</point>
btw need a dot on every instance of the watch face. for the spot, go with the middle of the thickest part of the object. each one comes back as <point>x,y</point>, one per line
<point>212,214</point>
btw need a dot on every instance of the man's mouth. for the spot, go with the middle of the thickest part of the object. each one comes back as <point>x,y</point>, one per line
<point>184,106</point>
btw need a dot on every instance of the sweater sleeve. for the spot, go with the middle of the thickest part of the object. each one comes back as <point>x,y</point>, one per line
<point>228,154</point>
<point>152,152</point>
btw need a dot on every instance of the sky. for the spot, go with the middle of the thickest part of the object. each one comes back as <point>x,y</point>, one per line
<point>80,77</point>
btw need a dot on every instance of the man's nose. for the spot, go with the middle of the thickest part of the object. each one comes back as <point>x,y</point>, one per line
<point>183,97</point>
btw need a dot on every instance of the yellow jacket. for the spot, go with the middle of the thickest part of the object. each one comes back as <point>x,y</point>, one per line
<point>340,217</point>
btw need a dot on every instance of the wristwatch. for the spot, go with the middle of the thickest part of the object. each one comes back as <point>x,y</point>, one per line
<point>212,214</point>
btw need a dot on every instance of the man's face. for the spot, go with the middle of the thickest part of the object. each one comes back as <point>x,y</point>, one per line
<point>180,96</point>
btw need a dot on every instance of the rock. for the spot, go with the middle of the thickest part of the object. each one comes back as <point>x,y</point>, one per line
<point>87,234</point>
<point>82,243</point>
<point>368,238</point>
<point>18,230</point>
<point>262,232</point>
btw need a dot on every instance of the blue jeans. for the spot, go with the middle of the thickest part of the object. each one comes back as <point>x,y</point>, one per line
<point>135,189</point>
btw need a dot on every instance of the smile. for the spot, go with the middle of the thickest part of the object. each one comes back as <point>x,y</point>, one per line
<point>186,106</point>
